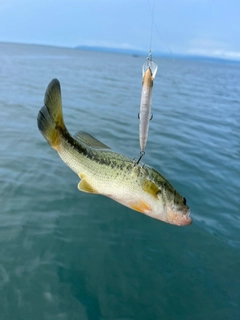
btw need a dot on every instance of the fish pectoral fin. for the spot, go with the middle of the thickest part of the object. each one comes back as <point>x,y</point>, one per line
<point>150,187</point>
<point>86,187</point>
<point>141,206</point>
<point>87,139</point>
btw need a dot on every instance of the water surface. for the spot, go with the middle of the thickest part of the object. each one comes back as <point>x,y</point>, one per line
<point>70,255</point>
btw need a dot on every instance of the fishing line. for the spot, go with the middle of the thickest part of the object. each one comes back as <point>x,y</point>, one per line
<point>151,11</point>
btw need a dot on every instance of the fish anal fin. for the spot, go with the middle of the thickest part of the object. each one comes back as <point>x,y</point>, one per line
<point>150,187</point>
<point>86,187</point>
<point>81,176</point>
<point>141,206</point>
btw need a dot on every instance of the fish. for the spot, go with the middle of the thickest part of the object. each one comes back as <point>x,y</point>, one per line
<point>149,70</point>
<point>104,171</point>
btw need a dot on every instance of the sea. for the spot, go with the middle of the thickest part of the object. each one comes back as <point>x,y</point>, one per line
<point>67,255</point>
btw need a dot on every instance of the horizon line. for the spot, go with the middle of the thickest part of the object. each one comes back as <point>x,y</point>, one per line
<point>129,51</point>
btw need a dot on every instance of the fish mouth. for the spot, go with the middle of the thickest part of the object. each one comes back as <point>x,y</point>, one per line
<point>185,220</point>
<point>180,218</point>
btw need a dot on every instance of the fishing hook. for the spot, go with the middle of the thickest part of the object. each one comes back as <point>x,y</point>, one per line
<point>151,117</point>
<point>142,153</point>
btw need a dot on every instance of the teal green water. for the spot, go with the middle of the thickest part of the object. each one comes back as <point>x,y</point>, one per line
<point>70,255</point>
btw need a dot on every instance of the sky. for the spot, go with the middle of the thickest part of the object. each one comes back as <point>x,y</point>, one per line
<point>205,27</point>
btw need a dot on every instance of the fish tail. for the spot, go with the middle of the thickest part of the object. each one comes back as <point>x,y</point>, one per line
<point>50,117</point>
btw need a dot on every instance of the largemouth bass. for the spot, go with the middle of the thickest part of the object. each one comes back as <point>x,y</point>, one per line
<point>103,171</point>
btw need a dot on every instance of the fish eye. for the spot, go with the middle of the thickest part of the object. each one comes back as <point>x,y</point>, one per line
<point>184,201</point>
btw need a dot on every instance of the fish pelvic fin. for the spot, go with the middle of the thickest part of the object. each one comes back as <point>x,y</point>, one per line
<point>141,206</point>
<point>50,117</point>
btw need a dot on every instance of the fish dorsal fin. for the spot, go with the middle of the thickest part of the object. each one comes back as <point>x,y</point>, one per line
<point>87,139</point>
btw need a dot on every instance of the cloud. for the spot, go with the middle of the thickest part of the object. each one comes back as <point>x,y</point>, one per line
<point>212,48</point>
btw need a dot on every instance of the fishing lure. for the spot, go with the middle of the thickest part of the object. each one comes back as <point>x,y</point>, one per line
<point>149,70</point>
